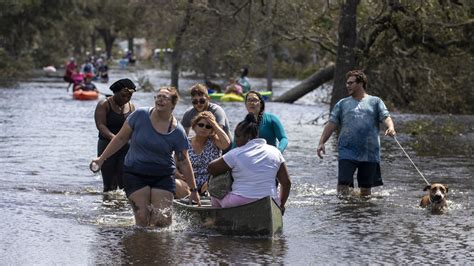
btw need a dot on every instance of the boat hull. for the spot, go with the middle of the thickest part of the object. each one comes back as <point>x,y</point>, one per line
<point>259,218</point>
<point>85,95</point>
<point>220,96</point>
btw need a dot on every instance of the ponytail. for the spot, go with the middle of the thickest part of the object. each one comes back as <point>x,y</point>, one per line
<point>248,127</point>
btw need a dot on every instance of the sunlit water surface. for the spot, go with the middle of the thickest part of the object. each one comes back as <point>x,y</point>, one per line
<point>54,212</point>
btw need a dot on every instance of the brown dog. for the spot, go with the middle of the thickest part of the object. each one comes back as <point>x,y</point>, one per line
<point>436,198</point>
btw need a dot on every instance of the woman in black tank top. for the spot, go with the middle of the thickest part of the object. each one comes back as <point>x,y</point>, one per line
<point>110,114</point>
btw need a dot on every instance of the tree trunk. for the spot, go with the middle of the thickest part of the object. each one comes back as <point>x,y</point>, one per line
<point>93,42</point>
<point>207,67</point>
<point>109,44</point>
<point>108,39</point>
<point>269,64</point>
<point>345,49</point>
<point>176,54</point>
<point>130,45</point>
<point>308,85</point>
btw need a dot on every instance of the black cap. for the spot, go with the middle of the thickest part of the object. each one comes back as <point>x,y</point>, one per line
<point>121,84</point>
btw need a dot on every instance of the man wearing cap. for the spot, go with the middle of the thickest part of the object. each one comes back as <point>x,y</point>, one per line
<point>110,115</point>
<point>200,100</point>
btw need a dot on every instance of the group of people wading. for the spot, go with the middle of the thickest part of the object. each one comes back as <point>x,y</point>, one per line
<point>82,77</point>
<point>147,150</point>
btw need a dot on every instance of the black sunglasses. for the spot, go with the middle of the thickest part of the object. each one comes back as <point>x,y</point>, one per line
<point>202,125</point>
<point>201,101</point>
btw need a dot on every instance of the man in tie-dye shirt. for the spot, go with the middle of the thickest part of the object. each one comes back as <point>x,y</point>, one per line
<point>357,117</point>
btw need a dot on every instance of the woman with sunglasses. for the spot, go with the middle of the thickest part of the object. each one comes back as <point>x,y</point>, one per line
<point>149,166</point>
<point>270,127</point>
<point>110,114</point>
<point>206,145</point>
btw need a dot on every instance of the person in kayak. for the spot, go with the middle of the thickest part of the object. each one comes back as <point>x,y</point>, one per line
<point>87,85</point>
<point>243,81</point>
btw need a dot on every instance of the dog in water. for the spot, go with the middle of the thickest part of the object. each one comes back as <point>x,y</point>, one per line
<point>436,198</point>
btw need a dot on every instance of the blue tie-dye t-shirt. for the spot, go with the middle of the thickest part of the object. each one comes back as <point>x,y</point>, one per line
<point>358,122</point>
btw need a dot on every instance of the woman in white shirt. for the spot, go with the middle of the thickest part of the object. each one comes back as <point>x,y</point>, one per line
<point>254,165</point>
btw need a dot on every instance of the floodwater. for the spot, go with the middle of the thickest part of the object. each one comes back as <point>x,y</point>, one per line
<point>54,212</point>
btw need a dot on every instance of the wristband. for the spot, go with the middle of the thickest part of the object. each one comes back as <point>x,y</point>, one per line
<point>194,189</point>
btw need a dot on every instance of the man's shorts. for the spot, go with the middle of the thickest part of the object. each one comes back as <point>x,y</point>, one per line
<point>368,173</point>
<point>133,182</point>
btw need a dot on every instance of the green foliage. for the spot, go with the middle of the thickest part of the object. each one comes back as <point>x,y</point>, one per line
<point>421,61</point>
<point>441,135</point>
<point>417,54</point>
<point>424,127</point>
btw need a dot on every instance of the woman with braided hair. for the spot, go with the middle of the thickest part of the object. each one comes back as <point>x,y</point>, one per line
<point>255,165</point>
<point>269,125</point>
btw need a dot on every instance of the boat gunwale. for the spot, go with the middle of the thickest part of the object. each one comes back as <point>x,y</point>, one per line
<point>196,207</point>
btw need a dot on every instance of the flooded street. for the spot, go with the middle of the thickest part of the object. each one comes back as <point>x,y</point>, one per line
<point>54,211</point>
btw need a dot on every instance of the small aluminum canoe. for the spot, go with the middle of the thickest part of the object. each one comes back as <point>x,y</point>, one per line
<point>259,218</point>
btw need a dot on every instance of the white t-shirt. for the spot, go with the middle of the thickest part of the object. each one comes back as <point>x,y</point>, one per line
<point>254,168</point>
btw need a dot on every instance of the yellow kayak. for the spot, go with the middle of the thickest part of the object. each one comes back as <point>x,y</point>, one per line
<point>231,97</point>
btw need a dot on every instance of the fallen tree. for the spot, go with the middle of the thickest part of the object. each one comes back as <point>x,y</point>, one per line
<point>317,79</point>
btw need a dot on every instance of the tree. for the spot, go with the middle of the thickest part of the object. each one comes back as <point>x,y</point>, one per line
<point>346,59</point>
<point>177,49</point>
<point>21,25</point>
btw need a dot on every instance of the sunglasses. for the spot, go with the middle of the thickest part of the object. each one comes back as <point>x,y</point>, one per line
<point>204,125</point>
<point>126,90</point>
<point>200,101</point>
<point>162,97</point>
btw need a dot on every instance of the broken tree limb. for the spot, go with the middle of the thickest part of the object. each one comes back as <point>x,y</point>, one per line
<point>307,85</point>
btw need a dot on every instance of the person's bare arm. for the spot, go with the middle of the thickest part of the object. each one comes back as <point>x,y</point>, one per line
<point>285,185</point>
<point>390,127</point>
<point>116,144</point>
<point>218,166</point>
<point>100,117</point>
<point>185,166</point>
<point>327,132</point>
<point>220,138</point>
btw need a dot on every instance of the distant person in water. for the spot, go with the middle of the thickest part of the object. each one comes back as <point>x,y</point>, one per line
<point>88,67</point>
<point>71,69</point>
<point>357,117</point>
<point>243,81</point>
<point>234,88</point>
<point>102,70</point>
